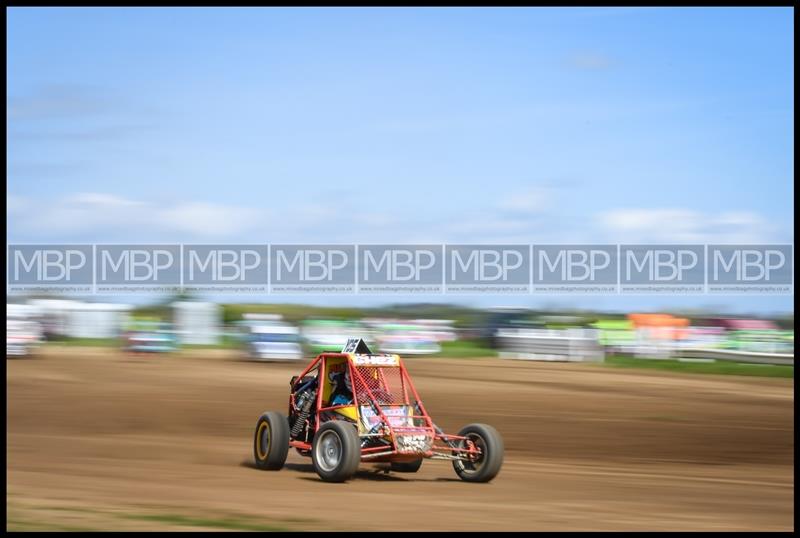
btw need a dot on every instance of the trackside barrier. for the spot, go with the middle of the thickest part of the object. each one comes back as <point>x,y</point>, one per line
<point>572,345</point>
<point>783,359</point>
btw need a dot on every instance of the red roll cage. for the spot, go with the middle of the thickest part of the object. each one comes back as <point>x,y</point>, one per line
<point>400,418</point>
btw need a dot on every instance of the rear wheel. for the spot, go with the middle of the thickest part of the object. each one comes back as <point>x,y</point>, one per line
<point>485,466</point>
<point>406,466</point>
<point>271,442</point>
<point>336,451</point>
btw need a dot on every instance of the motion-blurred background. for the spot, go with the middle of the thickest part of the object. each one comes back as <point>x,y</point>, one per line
<point>296,331</point>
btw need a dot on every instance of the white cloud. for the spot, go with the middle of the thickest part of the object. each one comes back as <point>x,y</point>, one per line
<point>101,216</point>
<point>683,226</point>
<point>101,200</point>
<point>530,216</point>
<point>207,220</point>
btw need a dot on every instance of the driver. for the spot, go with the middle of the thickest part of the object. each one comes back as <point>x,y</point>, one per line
<point>342,393</point>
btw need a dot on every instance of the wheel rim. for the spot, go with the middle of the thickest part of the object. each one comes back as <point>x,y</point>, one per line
<point>262,446</point>
<point>473,466</point>
<point>329,451</point>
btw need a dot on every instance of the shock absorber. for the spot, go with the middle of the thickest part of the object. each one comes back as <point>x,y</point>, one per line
<point>302,415</point>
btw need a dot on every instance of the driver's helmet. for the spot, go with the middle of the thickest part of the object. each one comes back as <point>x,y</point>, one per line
<point>339,376</point>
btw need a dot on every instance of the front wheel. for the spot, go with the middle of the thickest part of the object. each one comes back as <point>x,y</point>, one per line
<point>485,466</point>
<point>336,451</point>
<point>271,443</point>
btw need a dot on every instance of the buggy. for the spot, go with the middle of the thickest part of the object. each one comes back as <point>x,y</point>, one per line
<point>356,406</point>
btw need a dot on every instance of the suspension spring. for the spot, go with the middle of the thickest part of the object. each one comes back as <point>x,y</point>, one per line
<point>302,416</point>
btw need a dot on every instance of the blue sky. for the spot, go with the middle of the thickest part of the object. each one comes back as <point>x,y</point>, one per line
<point>403,125</point>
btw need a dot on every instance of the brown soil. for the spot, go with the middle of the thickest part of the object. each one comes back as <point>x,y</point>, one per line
<point>101,440</point>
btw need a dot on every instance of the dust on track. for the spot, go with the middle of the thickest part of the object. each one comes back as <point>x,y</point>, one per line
<point>99,439</point>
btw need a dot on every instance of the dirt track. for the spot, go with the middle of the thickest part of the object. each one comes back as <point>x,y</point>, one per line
<point>100,440</point>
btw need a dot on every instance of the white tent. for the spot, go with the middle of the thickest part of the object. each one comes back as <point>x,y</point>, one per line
<point>197,322</point>
<point>97,320</point>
